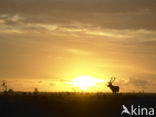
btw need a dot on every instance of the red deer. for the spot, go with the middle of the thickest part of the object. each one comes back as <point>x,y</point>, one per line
<point>115,89</point>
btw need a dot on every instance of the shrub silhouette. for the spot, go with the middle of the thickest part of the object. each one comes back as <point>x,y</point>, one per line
<point>4,87</point>
<point>36,91</point>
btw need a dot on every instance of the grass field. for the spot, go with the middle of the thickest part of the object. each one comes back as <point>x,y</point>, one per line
<point>71,104</point>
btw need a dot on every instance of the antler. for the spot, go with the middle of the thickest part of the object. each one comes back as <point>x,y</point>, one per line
<point>112,79</point>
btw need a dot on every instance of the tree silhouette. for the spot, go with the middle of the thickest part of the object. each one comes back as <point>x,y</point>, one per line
<point>4,87</point>
<point>36,91</point>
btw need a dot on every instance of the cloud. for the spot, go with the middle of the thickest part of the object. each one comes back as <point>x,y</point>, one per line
<point>77,5</point>
<point>149,43</point>
<point>2,21</point>
<point>121,14</point>
<point>139,83</point>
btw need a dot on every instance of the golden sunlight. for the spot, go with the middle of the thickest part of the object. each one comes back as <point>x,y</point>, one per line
<point>84,82</point>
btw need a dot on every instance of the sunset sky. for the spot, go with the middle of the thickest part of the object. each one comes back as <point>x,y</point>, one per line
<point>46,44</point>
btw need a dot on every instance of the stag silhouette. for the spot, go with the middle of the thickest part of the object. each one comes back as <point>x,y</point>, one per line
<point>115,89</point>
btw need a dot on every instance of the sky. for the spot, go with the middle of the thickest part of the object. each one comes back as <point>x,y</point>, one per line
<point>47,43</point>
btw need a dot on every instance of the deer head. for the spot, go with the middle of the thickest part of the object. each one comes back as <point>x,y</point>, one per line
<point>111,81</point>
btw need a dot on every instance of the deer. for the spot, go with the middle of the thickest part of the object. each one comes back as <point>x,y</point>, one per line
<point>115,89</point>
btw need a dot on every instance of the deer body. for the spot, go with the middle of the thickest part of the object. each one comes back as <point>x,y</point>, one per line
<point>115,89</point>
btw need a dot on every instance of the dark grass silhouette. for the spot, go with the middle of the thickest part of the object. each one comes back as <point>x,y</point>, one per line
<point>70,104</point>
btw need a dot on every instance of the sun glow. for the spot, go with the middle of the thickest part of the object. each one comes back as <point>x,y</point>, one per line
<point>84,82</point>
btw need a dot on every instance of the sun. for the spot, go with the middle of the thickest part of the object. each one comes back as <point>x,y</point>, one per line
<point>84,82</point>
